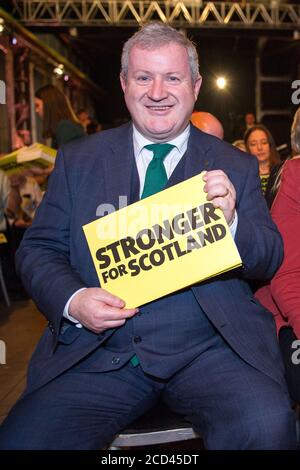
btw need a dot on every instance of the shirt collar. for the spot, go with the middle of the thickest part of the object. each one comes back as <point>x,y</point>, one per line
<point>180,142</point>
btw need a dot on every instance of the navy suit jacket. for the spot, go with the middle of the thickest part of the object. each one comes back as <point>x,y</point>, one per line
<point>54,260</point>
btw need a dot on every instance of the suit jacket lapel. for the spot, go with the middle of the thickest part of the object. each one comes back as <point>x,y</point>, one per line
<point>120,169</point>
<point>121,172</point>
<point>197,158</point>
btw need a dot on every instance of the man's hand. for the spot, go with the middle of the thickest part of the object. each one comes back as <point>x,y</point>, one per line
<point>98,310</point>
<point>220,191</point>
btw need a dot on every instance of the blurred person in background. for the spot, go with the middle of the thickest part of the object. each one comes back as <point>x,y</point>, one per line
<point>84,118</point>
<point>249,120</point>
<point>60,124</point>
<point>282,295</point>
<point>240,144</point>
<point>260,142</point>
<point>10,202</point>
<point>93,127</point>
<point>208,123</point>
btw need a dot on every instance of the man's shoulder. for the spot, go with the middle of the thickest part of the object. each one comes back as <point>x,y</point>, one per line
<point>96,144</point>
<point>100,139</point>
<point>221,149</point>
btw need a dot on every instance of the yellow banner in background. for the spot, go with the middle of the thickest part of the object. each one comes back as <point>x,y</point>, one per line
<point>3,238</point>
<point>36,155</point>
<point>161,244</point>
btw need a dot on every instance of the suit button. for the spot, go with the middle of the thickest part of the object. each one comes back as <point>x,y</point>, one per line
<point>137,339</point>
<point>115,360</point>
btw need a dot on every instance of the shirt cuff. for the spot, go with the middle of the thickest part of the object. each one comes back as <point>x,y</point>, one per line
<point>233,225</point>
<point>66,310</point>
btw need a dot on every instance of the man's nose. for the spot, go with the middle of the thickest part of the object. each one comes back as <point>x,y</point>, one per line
<point>157,90</point>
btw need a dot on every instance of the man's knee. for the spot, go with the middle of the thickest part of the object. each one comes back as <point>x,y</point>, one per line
<point>273,430</point>
<point>268,427</point>
<point>282,430</point>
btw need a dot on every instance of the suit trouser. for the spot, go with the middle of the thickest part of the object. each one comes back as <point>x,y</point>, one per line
<point>231,404</point>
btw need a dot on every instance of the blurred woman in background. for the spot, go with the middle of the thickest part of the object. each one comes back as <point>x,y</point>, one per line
<point>260,142</point>
<point>282,295</point>
<point>60,123</point>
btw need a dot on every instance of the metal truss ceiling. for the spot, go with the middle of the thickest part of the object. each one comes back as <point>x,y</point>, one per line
<point>188,13</point>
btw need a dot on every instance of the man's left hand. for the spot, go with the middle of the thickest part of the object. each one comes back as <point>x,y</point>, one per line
<point>220,191</point>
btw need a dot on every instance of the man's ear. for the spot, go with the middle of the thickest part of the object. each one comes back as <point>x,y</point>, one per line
<point>123,82</point>
<point>197,86</point>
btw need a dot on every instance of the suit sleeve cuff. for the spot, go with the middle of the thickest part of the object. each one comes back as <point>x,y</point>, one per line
<point>66,310</point>
<point>233,224</point>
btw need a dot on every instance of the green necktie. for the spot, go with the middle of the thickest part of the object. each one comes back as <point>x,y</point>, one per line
<point>156,176</point>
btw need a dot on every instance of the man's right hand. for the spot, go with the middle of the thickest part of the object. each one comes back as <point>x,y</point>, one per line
<point>98,310</point>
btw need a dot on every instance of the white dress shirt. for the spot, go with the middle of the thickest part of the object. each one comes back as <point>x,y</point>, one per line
<point>143,157</point>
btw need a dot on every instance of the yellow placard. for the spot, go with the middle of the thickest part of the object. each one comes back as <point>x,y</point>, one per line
<point>161,244</point>
<point>3,238</point>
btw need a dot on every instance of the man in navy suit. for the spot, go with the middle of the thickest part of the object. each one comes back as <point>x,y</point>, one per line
<point>209,351</point>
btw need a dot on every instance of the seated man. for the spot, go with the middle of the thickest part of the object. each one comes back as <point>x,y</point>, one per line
<point>209,351</point>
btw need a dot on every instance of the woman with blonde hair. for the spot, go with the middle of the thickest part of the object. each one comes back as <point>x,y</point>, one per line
<point>282,295</point>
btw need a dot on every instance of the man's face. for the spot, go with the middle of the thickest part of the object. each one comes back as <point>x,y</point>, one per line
<point>250,119</point>
<point>159,91</point>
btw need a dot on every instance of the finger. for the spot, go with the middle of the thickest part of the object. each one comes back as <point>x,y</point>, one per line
<point>218,180</point>
<point>104,322</point>
<point>204,177</point>
<point>214,174</point>
<point>110,322</point>
<point>111,313</point>
<point>225,204</point>
<point>217,190</point>
<point>218,203</point>
<point>109,298</point>
<point>114,324</point>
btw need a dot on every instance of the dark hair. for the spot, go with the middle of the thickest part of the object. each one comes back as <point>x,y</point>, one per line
<point>274,154</point>
<point>82,110</point>
<point>93,127</point>
<point>56,107</point>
